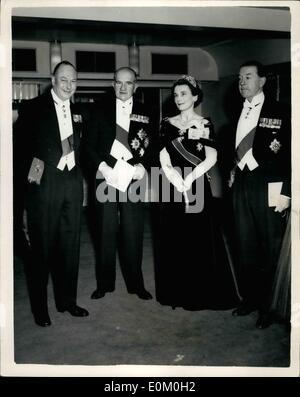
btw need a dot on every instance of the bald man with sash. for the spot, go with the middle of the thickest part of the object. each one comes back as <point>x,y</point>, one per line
<point>49,130</point>
<point>116,149</point>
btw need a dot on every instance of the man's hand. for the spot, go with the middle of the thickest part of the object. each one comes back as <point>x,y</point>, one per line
<point>283,203</point>
<point>139,172</point>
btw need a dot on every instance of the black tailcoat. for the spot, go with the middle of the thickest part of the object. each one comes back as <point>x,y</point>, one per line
<point>258,228</point>
<point>116,218</point>
<point>54,206</point>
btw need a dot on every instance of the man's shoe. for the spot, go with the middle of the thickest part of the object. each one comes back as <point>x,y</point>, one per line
<point>264,321</point>
<point>97,294</point>
<point>75,311</point>
<point>144,295</point>
<point>242,311</point>
<point>43,321</point>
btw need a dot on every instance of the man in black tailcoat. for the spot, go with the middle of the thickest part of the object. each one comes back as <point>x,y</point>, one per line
<point>260,181</point>
<point>117,149</point>
<point>48,134</point>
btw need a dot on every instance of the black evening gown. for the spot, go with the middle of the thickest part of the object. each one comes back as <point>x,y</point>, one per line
<point>192,268</point>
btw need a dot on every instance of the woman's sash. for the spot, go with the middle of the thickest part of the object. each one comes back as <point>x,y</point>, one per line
<point>185,153</point>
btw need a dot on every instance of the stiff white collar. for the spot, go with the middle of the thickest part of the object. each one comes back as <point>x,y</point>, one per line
<point>125,104</point>
<point>58,101</point>
<point>256,100</point>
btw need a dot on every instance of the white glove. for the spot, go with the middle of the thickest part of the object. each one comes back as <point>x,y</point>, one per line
<point>175,178</point>
<point>107,172</point>
<point>189,180</point>
<point>139,172</point>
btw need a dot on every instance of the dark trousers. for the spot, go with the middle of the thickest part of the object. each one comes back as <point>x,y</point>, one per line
<point>259,233</point>
<point>121,227</point>
<point>54,217</point>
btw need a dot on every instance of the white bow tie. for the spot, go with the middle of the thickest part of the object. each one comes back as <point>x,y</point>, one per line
<point>249,105</point>
<point>125,109</point>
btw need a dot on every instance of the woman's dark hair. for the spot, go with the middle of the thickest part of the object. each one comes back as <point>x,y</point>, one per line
<point>192,84</point>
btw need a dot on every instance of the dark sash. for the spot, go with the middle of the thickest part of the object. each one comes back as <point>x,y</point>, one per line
<point>245,144</point>
<point>122,137</point>
<point>186,154</point>
<point>67,145</point>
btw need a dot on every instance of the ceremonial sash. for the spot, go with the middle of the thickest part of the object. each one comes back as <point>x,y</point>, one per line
<point>68,157</point>
<point>122,137</point>
<point>245,144</point>
<point>186,154</point>
<point>120,148</point>
<point>67,145</point>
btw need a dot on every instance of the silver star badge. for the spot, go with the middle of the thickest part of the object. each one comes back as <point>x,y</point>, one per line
<point>199,146</point>
<point>275,146</point>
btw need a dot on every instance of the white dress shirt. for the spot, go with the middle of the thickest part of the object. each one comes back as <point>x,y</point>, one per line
<point>64,118</point>
<point>248,120</point>
<point>123,112</point>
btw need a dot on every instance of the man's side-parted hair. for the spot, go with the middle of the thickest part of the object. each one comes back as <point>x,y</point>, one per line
<point>261,71</point>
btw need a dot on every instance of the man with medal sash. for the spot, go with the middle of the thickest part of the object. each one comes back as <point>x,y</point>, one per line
<point>260,182</point>
<point>49,130</point>
<point>117,147</point>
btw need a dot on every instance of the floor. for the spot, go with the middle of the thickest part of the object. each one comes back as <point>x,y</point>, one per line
<point>125,330</point>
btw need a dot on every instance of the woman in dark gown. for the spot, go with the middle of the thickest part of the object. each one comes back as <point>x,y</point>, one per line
<point>192,269</point>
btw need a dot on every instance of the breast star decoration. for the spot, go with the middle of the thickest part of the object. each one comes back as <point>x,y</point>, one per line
<point>275,146</point>
<point>135,144</point>
<point>141,142</point>
<point>142,134</point>
<point>199,146</point>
